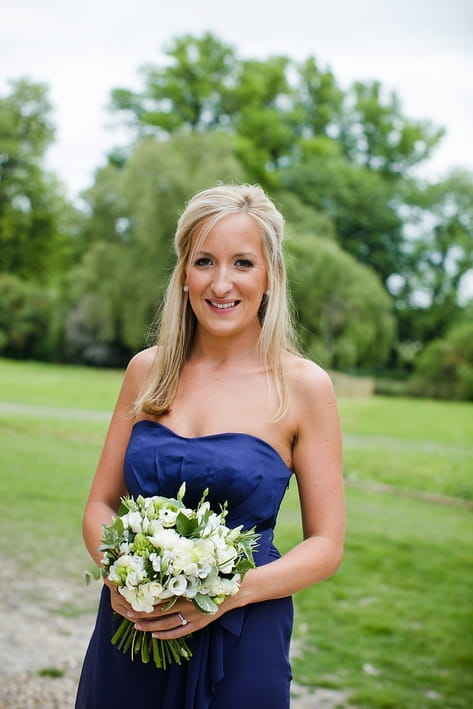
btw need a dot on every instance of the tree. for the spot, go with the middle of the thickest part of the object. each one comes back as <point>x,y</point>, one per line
<point>445,367</point>
<point>360,204</point>
<point>318,101</point>
<point>344,315</point>
<point>189,91</point>
<point>439,255</point>
<point>375,133</point>
<point>26,319</point>
<point>32,209</point>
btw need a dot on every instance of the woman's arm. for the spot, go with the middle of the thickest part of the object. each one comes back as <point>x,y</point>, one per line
<point>108,485</point>
<point>317,463</point>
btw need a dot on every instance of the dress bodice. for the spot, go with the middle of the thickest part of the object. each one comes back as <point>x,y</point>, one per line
<point>241,469</point>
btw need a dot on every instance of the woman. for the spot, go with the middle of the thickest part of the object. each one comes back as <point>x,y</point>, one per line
<point>222,401</point>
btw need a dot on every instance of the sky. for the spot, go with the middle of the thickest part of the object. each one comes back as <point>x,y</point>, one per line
<point>422,49</point>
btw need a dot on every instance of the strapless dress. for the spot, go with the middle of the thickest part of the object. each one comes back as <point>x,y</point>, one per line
<point>242,658</point>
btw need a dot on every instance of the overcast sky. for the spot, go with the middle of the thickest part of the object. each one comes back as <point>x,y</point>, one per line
<point>423,49</point>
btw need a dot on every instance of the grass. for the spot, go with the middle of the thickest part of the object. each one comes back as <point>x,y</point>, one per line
<point>394,625</point>
<point>415,444</point>
<point>393,628</point>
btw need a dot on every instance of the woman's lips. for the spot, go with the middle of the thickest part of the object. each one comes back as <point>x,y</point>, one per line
<point>228,305</point>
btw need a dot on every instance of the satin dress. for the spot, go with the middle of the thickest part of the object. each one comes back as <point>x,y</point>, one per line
<point>241,660</point>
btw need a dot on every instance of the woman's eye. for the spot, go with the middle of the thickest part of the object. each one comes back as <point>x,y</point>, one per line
<point>203,261</point>
<point>244,263</point>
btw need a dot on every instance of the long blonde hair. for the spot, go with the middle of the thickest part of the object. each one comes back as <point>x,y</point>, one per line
<point>177,324</point>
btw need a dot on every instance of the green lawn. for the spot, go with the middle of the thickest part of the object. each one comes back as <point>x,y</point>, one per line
<point>393,628</point>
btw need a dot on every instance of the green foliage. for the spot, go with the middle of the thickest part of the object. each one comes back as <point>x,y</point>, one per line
<point>188,91</point>
<point>377,135</point>
<point>338,162</point>
<point>33,213</point>
<point>318,101</point>
<point>276,107</point>
<point>359,202</point>
<point>439,222</point>
<point>445,367</point>
<point>344,316</point>
<point>26,318</point>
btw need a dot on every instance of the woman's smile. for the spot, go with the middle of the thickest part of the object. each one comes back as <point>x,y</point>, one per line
<point>223,306</point>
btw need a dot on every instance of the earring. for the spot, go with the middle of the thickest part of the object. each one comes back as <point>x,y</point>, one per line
<point>185,288</point>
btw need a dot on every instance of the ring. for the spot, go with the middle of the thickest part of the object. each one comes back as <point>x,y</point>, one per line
<point>183,620</point>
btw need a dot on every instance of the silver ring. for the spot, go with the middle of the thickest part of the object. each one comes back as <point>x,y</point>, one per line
<point>183,620</point>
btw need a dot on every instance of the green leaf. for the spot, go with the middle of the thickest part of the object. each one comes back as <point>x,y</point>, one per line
<point>185,526</point>
<point>93,573</point>
<point>204,603</point>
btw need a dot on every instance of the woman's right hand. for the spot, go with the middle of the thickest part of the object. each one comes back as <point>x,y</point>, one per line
<point>118,602</point>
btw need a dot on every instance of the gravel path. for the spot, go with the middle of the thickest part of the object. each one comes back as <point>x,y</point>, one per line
<point>45,626</point>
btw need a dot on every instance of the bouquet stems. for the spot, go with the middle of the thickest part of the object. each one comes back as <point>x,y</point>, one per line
<point>143,645</point>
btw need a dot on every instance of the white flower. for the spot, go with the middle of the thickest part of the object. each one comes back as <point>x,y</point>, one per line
<point>135,572</point>
<point>143,598</point>
<point>226,558</point>
<point>167,516</point>
<point>155,561</point>
<point>177,584</point>
<point>193,585</point>
<point>213,523</point>
<point>132,520</point>
<point>164,538</point>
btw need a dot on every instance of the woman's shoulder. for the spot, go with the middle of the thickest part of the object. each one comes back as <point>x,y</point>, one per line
<point>141,363</point>
<point>144,358</point>
<point>308,382</point>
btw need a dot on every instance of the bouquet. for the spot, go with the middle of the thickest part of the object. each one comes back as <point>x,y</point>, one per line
<point>157,550</point>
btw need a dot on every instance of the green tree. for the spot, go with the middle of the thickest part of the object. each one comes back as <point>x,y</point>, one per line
<point>376,134</point>
<point>445,367</point>
<point>439,256</point>
<point>188,92</point>
<point>318,101</point>
<point>33,213</point>
<point>343,313</point>
<point>360,204</point>
<point>27,323</point>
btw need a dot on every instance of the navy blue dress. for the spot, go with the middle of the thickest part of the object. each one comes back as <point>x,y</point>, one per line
<point>242,658</point>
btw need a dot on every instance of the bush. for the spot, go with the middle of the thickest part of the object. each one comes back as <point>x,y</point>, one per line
<point>445,368</point>
<point>344,315</point>
<point>26,319</point>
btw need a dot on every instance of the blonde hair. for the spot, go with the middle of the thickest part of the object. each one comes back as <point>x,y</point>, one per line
<point>178,323</point>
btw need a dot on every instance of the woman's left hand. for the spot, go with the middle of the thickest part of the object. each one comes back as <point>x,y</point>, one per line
<point>180,620</point>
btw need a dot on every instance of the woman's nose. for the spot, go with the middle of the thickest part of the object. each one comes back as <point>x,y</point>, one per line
<point>221,282</point>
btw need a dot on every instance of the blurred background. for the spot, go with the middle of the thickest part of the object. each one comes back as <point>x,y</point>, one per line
<point>356,118</point>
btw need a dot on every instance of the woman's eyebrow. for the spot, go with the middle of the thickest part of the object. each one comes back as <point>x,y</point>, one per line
<point>240,254</point>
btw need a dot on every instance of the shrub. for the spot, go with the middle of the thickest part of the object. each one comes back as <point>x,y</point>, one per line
<point>445,368</point>
<point>26,319</point>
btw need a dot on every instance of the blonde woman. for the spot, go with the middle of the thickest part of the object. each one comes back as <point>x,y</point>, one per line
<point>222,401</point>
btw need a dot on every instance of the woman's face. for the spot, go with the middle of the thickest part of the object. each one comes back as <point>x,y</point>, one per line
<point>227,277</point>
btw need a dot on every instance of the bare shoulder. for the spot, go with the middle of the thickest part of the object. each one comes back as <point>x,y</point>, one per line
<point>309,384</point>
<point>143,359</point>
<point>312,400</point>
<point>137,370</point>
